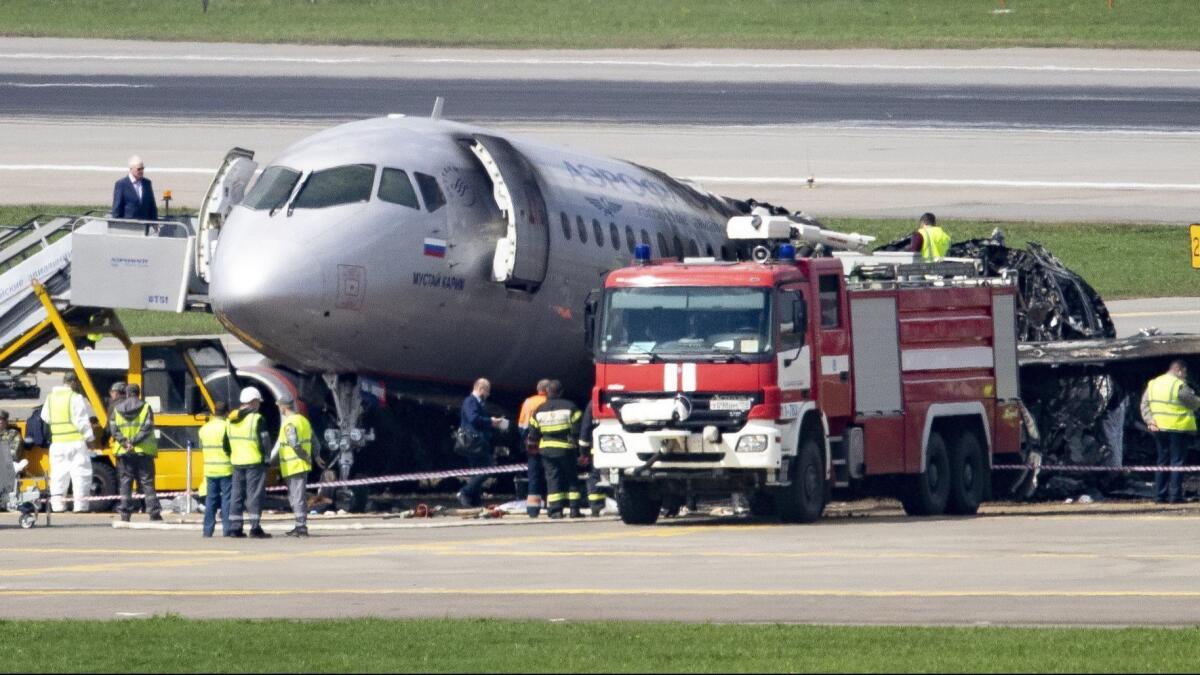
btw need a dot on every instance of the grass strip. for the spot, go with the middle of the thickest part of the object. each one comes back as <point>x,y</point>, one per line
<point>172,644</point>
<point>606,24</point>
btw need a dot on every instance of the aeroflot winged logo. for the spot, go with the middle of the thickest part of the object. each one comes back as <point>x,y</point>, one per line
<point>609,208</point>
<point>435,248</point>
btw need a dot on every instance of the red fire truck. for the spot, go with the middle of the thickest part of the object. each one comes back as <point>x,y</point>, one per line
<point>785,379</point>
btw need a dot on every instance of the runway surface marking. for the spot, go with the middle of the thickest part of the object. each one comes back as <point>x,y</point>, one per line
<point>697,592</point>
<point>123,551</point>
<point>1046,68</point>
<point>764,180</point>
<point>79,85</point>
<point>179,57</point>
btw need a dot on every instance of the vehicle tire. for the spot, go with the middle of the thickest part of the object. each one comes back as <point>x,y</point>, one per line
<point>104,482</point>
<point>637,503</point>
<point>803,499</point>
<point>928,491</point>
<point>27,520</point>
<point>762,503</point>
<point>968,475</point>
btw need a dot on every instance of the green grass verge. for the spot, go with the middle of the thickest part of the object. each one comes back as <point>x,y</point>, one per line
<point>375,645</point>
<point>599,24</point>
<point>1119,260</point>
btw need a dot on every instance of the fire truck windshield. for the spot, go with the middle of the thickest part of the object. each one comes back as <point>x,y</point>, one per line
<point>685,322</point>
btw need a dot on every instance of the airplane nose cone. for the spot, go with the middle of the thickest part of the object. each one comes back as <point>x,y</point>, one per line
<point>264,291</point>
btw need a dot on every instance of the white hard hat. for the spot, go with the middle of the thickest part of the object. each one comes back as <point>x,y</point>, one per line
<point>250,394</point>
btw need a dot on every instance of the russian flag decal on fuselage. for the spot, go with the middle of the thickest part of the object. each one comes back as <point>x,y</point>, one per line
<point>435,248</point>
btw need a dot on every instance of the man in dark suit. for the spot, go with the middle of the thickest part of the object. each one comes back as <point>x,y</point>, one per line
<point>474,416</point>
<point>133,195</point>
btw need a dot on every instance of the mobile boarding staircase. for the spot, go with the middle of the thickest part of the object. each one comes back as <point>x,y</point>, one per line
<point>62,277</point>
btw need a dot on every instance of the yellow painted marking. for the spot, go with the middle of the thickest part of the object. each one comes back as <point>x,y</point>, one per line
<point>683,592</point>
<point>123,551</point>
<point>111,566</point>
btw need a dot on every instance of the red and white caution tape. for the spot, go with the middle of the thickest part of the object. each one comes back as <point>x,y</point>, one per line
<point>376,480</point>
<point>1072,468</point>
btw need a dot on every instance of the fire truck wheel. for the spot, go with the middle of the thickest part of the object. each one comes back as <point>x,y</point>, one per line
<point>104,482</point>
<point>637,503</point>
<point>928,491</point>
<point>967,475</point>
<point>803,499</point>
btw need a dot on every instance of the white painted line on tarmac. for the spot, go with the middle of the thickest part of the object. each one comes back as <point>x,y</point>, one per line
<point>751,65</point>
<point>758,180</point>
<point>950,182</point>
<point>79,85</point>
<point>178,57</point>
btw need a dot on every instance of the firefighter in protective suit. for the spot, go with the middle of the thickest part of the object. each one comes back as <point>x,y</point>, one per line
<point>554,431</point>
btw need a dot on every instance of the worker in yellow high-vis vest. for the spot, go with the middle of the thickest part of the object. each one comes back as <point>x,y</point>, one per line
<point>131,424</point>
<point>1169,411</point>
<point>247,438</point>
<point>218,471</point>
<point>931,241</point>
<point>294,450</point>
<point>68,414</point>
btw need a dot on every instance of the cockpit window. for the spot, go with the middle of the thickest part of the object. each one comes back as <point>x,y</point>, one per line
<point>430,192</point>
<point>339,185</point>
<point>395,187</point>
<point>273,188</point>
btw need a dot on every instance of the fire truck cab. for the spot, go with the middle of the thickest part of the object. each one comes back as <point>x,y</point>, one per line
<point>787,378</point>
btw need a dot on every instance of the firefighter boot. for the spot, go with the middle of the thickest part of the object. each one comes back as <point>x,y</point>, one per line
<point>597,509</point>
<point>576,512</point>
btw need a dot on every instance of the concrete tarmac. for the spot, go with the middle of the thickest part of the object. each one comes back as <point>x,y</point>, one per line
<point>1098,564</point>
<point>881,133</point>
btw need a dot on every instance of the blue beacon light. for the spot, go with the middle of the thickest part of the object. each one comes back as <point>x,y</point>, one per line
<point>641,254</point>
<point>787,253</point>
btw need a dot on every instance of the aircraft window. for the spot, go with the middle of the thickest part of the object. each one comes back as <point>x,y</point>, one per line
<point>339,185</point>
<point>614,237</point>
<point>678,248</point>
<point>273,188</point>
<point>566,225</point>
<point>599,231</point>
<point>630,243</point>
<point>396,188</point>
<point>582,229</point>
<point>828,288</point>
<point>693,249</point>
<point>663,251</point>
<point>430,192</point>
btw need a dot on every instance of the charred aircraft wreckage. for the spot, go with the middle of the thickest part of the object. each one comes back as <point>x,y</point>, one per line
<point>1080,384</point>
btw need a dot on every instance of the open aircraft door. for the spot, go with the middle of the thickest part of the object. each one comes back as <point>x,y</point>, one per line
<point>521,256</point>
<point>227,189</point>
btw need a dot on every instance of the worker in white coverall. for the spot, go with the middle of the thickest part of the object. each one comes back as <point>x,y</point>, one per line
<point>67,414</point>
